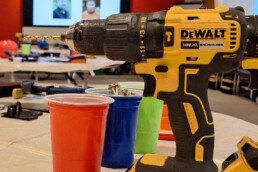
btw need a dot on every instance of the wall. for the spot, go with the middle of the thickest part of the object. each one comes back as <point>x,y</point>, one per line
<point>250,6</point>
<point>11,13</point>
<point>147,6</point>
<point>11,18</point>
<point>256,7</point>
<point>218,2</point>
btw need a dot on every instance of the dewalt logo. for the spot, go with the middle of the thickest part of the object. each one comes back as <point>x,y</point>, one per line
<point>202,33</point>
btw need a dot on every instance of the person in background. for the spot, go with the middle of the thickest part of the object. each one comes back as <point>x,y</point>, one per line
<point>61,12</point>
<point>91,12</point>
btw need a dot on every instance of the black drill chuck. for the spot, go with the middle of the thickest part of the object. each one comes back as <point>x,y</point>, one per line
<point>86,37</point>
<point>128,37</point>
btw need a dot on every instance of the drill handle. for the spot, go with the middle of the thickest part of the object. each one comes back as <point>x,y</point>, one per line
<point>190,115</point>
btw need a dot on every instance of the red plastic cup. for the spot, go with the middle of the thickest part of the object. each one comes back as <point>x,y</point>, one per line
<point>78,123</point>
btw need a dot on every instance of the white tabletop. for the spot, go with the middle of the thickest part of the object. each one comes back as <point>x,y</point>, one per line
<point>26,146</point>
<point>55,67</point>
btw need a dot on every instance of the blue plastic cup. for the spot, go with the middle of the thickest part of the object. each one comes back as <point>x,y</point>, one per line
<point>121,129</point>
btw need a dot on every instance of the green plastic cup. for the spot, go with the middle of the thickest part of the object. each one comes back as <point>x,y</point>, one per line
<point>25,49</point>
<point>148,125</point>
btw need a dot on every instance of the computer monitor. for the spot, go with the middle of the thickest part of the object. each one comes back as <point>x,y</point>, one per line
<point>39,19</point>
<point>63,13</point>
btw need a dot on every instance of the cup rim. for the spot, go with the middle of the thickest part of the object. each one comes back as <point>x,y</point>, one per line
<point>105,95</point>
<point>106,100</point>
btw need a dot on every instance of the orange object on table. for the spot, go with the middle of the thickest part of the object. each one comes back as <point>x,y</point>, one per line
<point>78,59</point>
<point>166,132</point>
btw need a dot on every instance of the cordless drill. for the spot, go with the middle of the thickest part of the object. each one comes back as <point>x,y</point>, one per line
<point>176,51</point>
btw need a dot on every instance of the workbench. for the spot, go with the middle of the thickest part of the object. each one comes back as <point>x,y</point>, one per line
<point>25,146</point>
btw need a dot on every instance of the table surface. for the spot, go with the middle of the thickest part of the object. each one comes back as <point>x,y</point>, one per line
<point>26,146</point>
<point>56,67</point>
